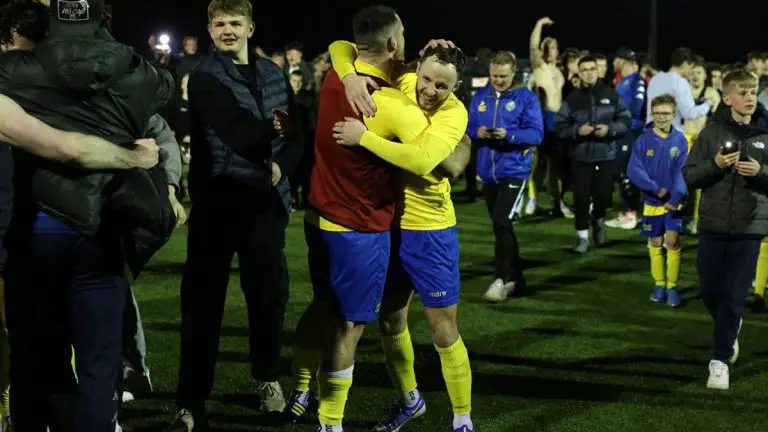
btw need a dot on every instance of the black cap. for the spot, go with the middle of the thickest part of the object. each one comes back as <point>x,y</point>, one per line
<point>76,17</point>
<point>626,53</point>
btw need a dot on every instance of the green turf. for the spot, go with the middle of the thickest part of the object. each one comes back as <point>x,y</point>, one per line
<point>587,352</point>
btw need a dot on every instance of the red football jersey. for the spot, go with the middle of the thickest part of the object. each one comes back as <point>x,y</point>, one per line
<point>350,186</point>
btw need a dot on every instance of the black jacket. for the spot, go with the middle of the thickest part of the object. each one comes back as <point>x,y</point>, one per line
<point>97,86</point>
<point>597,105</point>
<point>92,85</point>
<point>730,203</point>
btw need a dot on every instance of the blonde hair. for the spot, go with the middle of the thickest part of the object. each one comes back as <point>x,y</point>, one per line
<point>230,7</point>
<point>739,79</point>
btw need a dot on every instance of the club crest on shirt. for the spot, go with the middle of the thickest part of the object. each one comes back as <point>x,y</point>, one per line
<point>482,107</point>
<point>510,106</point>
<point>674,152</point>
<point>650,152</point>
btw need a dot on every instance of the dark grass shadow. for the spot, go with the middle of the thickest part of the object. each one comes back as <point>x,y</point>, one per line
<point>565,279</point>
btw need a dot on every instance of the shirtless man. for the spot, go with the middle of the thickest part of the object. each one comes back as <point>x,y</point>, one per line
<point>547,83</point>
<point>700,92</point>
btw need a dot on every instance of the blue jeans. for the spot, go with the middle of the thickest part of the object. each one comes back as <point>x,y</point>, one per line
<point>726,265</point>
<point>63,291</point>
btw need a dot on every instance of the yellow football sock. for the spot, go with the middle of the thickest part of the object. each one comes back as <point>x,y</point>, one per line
<point>673,267</point>
<point>398,350</point>
<point>657,265</point>
<point>5,382</point>
<point>334,388</point>
<point>761,274</point>
<point>304,364</point>
<point>458,376</point>
<point>532,193</point>
<point>696,200</point>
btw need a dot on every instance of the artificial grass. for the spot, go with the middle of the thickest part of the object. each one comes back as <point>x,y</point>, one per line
<point>587,352</point>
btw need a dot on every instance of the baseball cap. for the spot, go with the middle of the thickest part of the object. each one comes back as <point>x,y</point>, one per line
<point>626,53</point>
<point>76,17</point>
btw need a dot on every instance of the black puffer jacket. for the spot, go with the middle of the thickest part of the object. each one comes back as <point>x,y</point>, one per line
<point>730,203</point>
<point>596,105</point>
<point>92,85</point>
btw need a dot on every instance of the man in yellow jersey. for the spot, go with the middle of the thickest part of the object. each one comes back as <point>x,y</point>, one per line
<point>426,257</point>
<point>352,199</point>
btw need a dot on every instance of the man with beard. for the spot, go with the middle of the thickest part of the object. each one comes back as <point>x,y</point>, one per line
<point>68,246</point>
<point>353,200</point>
<point>424,237</point>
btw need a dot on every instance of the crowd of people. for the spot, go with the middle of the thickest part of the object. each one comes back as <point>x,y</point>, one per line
<point>369,146</point>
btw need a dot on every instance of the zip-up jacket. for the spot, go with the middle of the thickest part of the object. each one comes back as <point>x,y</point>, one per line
<point>518,111</point>
<point>92,85</point>
<point>632,90</point>
<point>232,126</point>
<point>730,203</point>
<point>656,163</point>
<point>594,105</point>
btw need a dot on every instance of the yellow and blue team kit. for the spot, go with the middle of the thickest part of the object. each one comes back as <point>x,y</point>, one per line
<point>425,241</point>
<point>657,163</point>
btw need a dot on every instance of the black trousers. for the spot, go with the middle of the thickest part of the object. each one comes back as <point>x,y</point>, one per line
<point>470,173</point>
<point>630,195</point>
<point>592,183</point>
<point>726,265</point>
<point>226,219</point>
<point>503,200</point>
<point>550,167</point>
<point>301,180</point>
<point>65,290</point>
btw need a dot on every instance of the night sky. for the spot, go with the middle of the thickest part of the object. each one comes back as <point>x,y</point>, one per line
<point>597,25</point>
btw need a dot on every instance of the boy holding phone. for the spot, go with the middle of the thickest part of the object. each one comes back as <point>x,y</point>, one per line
<point>728,164</point>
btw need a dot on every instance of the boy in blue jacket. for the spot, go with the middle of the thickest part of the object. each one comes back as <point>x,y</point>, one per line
<point>505,123</point>
<point>656,168</point>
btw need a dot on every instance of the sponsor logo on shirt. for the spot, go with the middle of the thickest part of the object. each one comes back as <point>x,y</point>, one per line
<point>758,145</point>
<point>482,107</point>
<point>674,152</point>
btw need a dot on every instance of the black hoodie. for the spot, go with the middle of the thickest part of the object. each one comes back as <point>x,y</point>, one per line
<point>730,203</point>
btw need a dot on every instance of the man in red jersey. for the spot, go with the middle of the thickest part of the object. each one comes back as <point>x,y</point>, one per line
<point>352,206</point>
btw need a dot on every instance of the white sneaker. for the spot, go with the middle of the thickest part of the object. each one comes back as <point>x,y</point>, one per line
<point>719,377</point>
<point>693,228</point>
<point>630,221</point>
<point>735,355</point>
<point>498,291</point>
<point>530,207</point>
<point>184,422</point>
<point>616,222</point>
<point>128,397</point>
<point>272,399</point>
<point>566,211</point>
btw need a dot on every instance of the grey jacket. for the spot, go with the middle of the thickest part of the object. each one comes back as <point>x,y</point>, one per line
<point>730,203</point>
<point>169,147</point>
